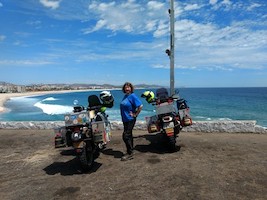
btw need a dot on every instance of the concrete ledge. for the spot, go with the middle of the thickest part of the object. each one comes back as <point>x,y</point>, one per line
<point>30,124</point>
<point>239,126</point>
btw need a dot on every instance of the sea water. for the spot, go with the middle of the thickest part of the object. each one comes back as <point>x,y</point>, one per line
<point>205,104</point>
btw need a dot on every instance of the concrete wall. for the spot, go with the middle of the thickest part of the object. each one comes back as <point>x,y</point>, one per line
<point>239,126</point>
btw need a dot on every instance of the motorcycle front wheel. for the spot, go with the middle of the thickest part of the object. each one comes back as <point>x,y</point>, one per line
<point>86,158</point>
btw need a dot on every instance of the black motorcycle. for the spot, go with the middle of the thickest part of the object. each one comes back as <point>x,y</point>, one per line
<point>87,130</point>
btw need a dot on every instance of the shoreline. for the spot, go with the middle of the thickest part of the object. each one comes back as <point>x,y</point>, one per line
<point>7,96</point>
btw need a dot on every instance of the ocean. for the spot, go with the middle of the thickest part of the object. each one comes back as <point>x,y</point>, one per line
<point>206,104</point>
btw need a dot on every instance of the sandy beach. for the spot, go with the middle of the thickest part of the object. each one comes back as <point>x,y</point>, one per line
<point>6,96</point>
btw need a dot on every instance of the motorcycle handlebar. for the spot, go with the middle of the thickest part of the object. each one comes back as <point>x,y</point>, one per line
<point>156,101</point>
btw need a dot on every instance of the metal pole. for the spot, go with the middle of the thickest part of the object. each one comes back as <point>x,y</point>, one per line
<point>172,41</point>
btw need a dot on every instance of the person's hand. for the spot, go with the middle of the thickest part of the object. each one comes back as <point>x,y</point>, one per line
<point>133,114</point>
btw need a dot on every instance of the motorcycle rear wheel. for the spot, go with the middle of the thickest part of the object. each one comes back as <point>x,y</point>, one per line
<point>171,140</point>
<point>172,143</point>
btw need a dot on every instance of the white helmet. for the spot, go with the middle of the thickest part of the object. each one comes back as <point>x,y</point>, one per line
<point>106,97</point>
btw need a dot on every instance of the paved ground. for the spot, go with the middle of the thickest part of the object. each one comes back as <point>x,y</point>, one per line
<point>207,166</point>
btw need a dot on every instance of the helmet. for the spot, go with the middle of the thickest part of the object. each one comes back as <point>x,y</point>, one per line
<point>149,95</point>
<point>106,97</point>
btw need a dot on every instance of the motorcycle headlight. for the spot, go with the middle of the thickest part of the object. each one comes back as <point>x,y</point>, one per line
<point>76,136</point>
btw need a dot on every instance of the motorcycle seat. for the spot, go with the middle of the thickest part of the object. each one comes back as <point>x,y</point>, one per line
<point>94,101</point>
<point>162,95</point>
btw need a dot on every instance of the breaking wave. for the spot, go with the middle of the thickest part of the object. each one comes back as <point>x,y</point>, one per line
<point>50,99</point>
<point>52,109</point>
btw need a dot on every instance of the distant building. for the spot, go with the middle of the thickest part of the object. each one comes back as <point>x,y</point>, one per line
<point>10,88</point>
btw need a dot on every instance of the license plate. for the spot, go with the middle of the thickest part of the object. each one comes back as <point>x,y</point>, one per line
<point>78,145</point>
<point>169,131</point>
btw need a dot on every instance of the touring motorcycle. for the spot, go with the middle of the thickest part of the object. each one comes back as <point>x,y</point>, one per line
<point>172,114</point>
<point>87,130</point>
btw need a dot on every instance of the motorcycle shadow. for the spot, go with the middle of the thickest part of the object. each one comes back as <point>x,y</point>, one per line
<point>67,152</point>
<point>111,152</point>
<point>69,167</point>
<point>158,144</point>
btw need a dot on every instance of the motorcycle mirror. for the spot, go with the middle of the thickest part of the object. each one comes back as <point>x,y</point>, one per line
<point>76,102</point>
<point>177,91</point>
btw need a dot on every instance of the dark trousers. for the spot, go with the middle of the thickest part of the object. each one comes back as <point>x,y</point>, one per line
<point>127,135</point>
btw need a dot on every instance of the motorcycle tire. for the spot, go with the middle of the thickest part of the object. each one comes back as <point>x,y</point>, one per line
<point>172,143</point>
<point>68,138</point>
<point>172,139</point>
<point>169,142</point>
<point>86,158</point>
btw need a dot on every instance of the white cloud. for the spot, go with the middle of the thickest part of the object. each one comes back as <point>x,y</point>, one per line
<point>158,66</point>
<point>208,46</point>
<point>191,7</point>
<point>203,45</point>
<point>24,62</point>
<point>34,22</point>
<point>161,30</point>
<point>227,2</point>
<point>130,17</point>
<point>2,37</point>
<point>212,2</point>
<point>254,5</point>
<point>17,43</point>
<point>53,4</point>
<point>154,5</point>
<point>100,24</point>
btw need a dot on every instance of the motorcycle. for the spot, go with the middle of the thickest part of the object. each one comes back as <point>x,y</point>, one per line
<point>87,130</point>
<point>172,114</point>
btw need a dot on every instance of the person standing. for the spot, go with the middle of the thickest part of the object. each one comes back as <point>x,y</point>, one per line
<point>130,108</point>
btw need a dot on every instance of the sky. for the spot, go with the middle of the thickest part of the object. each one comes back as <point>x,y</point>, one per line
<point>218,43</point>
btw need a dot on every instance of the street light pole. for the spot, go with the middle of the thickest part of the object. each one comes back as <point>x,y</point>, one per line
<point>171,52</point>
